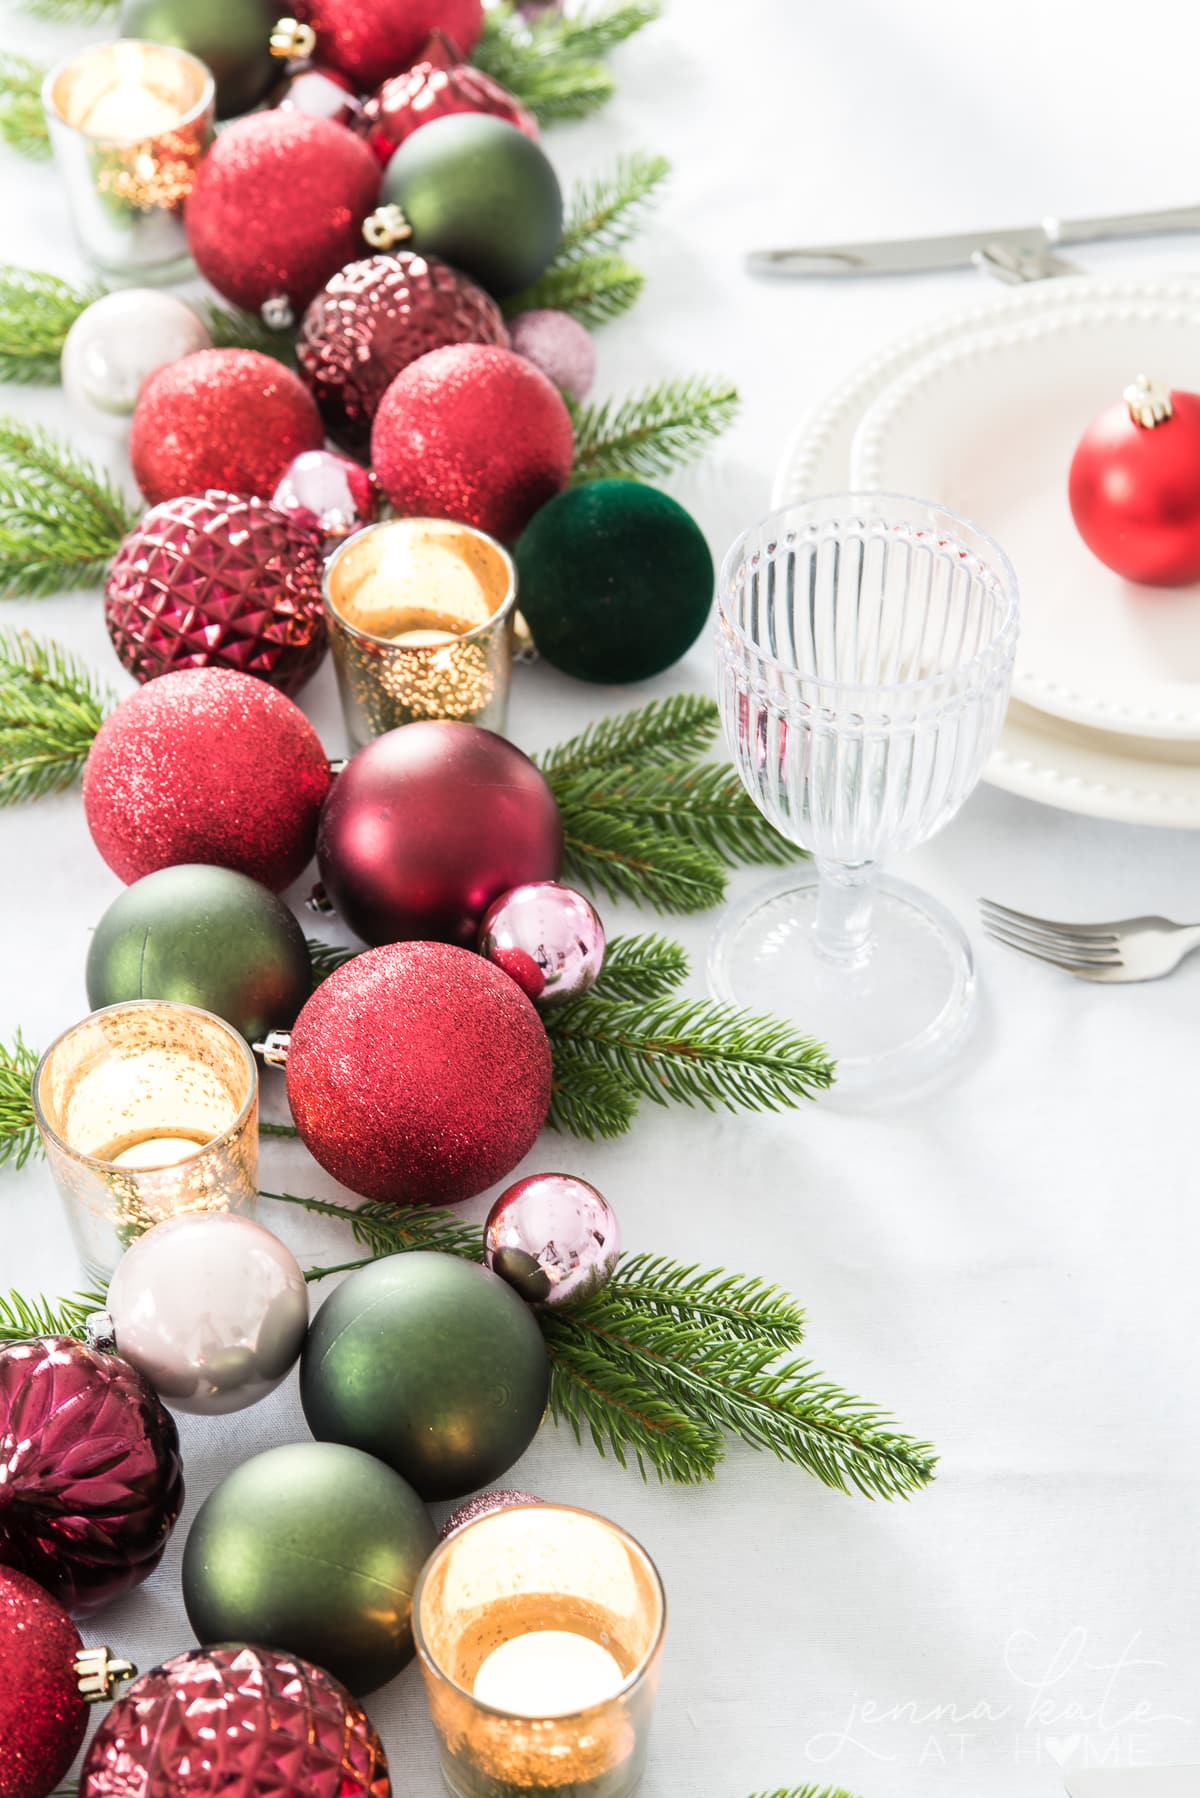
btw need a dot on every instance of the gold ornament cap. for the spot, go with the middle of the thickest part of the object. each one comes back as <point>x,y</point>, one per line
<point>386,227</point>
<point>1149,404</point>
<point>100,1674</point>
<point>293,42</point>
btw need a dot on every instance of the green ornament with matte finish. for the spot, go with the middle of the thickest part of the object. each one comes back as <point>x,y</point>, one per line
<point>615,581</point>
<point>431,1363</point>
<point>232,36</point>
<point>478,193</point>
<point>315,1549</point>
<point>203,936</point>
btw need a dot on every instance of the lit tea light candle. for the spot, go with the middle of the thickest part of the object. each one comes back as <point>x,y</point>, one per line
<point>157,1151</point>
<point>547,1673</point>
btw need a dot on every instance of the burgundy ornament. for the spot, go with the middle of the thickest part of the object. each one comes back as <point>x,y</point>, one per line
<point>321,94</point>
<point>429,824</point>
<point>438,83</point>
<point>560,346</point>
<point>370,42</point>
<point>327,493</point>
<point>482,1505</point>
<point>554,1238</point>
<point>546,937</point>
<point>236,1723</point>
<point>42,1715</point>
<point>91,1482</point>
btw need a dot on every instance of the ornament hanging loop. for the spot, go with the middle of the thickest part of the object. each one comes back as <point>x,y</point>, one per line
<point>293,42</point>
<point>1149,404</point>
<point>274,1048</point>
<point>386,227</point>
<point>101,1674</point>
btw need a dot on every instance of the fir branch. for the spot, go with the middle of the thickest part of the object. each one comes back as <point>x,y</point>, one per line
<point>592,289</point>
<point>652,433</point>
<point>266,1128</point>
<point>608,210</point>
<point>587,1101</point>
<point>612,855</point>
<point>641,968</point>
<point>61,520</point>
<point>22,1318</point>
<point>327,958</point>
<point>22,121</point>
<point>624,1419</point>
<point>664,731</point>
<point>554,64</point>
<point>18,1127</point>
<point>736,1305</point>
<point>705,805</point>
<point>390,1229</point>
<point>232,329</point>
<point>50,711</point>
<point>36,312</point>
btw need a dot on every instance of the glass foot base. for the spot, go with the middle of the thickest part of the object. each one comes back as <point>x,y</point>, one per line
<point>890,1023</point>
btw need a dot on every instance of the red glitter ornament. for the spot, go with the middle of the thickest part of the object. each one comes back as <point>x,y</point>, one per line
<point>226,419</point>
<point>375,317</point>
<point>90,1477</point>
<point>277,206</point>
<point>236,1723</point>
<point>206,766</point>
<point>216,581</point>
<point>1135,486</point>
<point>474,434</point>
<point>370,42</point>
<point>42,1716</point>
<point>418,1073</point>
<point>438,84</point>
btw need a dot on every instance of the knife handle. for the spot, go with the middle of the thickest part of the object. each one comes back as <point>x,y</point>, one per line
<point>1131,224</point>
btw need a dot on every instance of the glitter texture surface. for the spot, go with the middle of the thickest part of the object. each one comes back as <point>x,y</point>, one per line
<point>206,766</point>
<point>42,1716</point>
<point>369,43</point>
<point>560,346</point>
<point>482,1505</point>
<point>419,1073</point>
<point>432,88</point>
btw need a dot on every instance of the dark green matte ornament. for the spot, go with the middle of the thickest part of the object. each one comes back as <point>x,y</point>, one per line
<point>478,193</point>
<point>203,936</point>
<point>431,1363</point>
<point>232,36</point>
<point>616,581</point>
<point>315,1549</point>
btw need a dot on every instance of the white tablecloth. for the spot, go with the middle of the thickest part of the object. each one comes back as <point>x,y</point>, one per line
<point>1008,1263</point>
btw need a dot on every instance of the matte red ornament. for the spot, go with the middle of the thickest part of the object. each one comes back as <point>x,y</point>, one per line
<point>235,1723</point>
<point>418,1073</point>
<point>226,419</point>
<point>429,824</point>
<point>206,766</point>
<point>278,204</point>
<point>370,42</point>
<point>322,94</point>
<point>478,435</point>
<point>1135,487</point>
<point>91,1482</point>
<point>372,319</point>
<point>218,581</point>
<point>436,85</point>
<point>42,1716</point>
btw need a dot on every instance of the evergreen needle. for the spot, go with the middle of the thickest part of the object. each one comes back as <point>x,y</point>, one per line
<point>608,210</point>
<point>664,731</point>
<point>736,1305</point>
<point>641,968</point>
<point>327,958</point>
<point>61,521</point>
<point>18,1127</point>
<point>50,711</point>
<point>21,1319</point>
<point>231,329</point>
<point>36,312</point>
<point>592,289</point>
<point>615,856</point>
<point>705,805</point>
<point>625,1420</point>
<point>554,64</point>
<point>587,1101</point>
<point>22,121</point>
<point>652,433</point>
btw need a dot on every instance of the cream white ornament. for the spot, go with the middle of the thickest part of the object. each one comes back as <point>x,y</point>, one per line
<point>117,343</point>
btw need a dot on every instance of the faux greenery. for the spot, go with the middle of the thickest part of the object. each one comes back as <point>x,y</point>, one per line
<point>50,710</point>
<point>61,520</point>
<point>18,1130</point>
<point>592,289</point>
<point>555,64</point>
<point>588,278</point>
<point>653,432</point>
<point>22,122</point>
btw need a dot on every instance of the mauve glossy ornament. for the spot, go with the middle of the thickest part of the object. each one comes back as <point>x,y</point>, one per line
<point>560,346</point>
<point>546,937</point>
<point>327,493</point>
<point>117,343</point>
<point>482,1505</point>
<point>554,1238</point>
<point>212,1309</point>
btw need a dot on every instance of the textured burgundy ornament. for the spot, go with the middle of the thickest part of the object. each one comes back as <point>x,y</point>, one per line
<point>90,1478</point>
<point>42,1716</point>
<point>429,824</point>
<point>370,42</point>
<point>327,493</point>
<point>418,1073</point>
<point>437,84</point>
<point>321,94</point>
<point>482,1505</point>
<point>375,317</point>
<point>478,435</point>
<point>225,419</point>
<point>235,1723</point>
<point>218,581</point>
<point>206,766</point>
<point>278,204</point>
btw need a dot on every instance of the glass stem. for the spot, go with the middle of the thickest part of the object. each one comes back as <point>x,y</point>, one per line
<point>845,894</point>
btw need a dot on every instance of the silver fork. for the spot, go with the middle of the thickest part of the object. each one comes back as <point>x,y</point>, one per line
<point>1125,950</point>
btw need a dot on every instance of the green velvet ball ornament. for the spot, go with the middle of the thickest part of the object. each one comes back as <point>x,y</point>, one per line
<point>203,936</point>
<point>232,36</point>
<point>615,581</point>
<point>478,193</point>
<point>315,1549</point>
<point>431,1363</point>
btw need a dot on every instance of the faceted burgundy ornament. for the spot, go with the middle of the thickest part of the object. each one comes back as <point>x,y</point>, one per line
<point>554,1238</point>
<point>482,1505</point>
<point>90,1477</point>
<point>42,1716</point>
<point>439,83</point>
<point>374,318</point>
<point>327,493</point>
<point>546,937</point>
<point>236,1723</point>
<point>322,94</point>
<point>217,580</point>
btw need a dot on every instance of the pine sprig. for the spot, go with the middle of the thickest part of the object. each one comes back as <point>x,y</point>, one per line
<point>666,730</point>
<point>61,520</point>
<point>641,968</point>
<point>554,64</point>
<point>587,1101</point>
<point>327,958</point>
<point>22,1318</point>
<point>232,329</point>
<point>592,289</point>
<point>651,433</point>
<point>389,1230</point>
<point>18,1126</point>
<point>705,805</point>
<point>625,1418</point>
<point>36,312</point>
<point>22,121</point>
<point>607,210</point>
<point>50,710</point>
<point>736,1305</point>
<point>613,855</point>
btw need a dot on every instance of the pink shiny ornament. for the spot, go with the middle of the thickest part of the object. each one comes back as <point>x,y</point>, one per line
<point>482,1505</point>
<point>322,94</point>
<point>560,346</point>
<point>327,493</point>
<point>554,1238</point>
<point>438,84</point>
<point>546,937</point>
<point>235,1723</point>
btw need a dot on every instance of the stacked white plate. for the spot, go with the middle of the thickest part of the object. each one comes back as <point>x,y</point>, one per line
<point>982,412</point>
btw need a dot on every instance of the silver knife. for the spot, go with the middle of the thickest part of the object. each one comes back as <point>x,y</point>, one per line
<point>1034,243</point>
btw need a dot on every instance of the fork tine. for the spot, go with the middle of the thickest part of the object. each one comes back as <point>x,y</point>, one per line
<point>1081,964</point>
<point>1005,914</point>
<point>1092,949</point>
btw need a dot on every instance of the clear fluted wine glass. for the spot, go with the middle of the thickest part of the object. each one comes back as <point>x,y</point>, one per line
<point>865,646</point>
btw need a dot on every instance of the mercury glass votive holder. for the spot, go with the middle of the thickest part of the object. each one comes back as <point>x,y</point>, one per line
<point>129,122</point>
<point>421,624</point>
<point>147,1110</point>
<point>511,1575</point>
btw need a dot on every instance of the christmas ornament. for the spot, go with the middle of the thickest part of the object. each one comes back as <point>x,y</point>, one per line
<point>474,434</point>
<point>202,936</point>
<point>482,1505</point>
<point>322,94</point>
<point>313,1548</point>
<point>232,36</point>
<point>435,87</point>
<point>554,1238</point>
<point>206,766</point>
<point>90,1476</point>
<point>560,346</point>
<point>211,1308</point>
<point>369,43</point>
<point>419,1074</point>
<point>236,1722</point>
<point>430,823</point>
<point>546,937</point>
<point>480,193</point>
<point>117,343</point>
<point>226,419</point>
<point>372,319</point>
<point>1134,486</point>
<point>430,1363</point>
<point>327,494</point>
<point>277,207</point>
<point>616,581</point>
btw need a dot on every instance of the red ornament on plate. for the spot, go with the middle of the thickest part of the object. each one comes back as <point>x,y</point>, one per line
<point>1135,486</point>
<point>370,42</point>
<point>437,84</point>
<point>206,766</point>
<point>42,1716</point>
